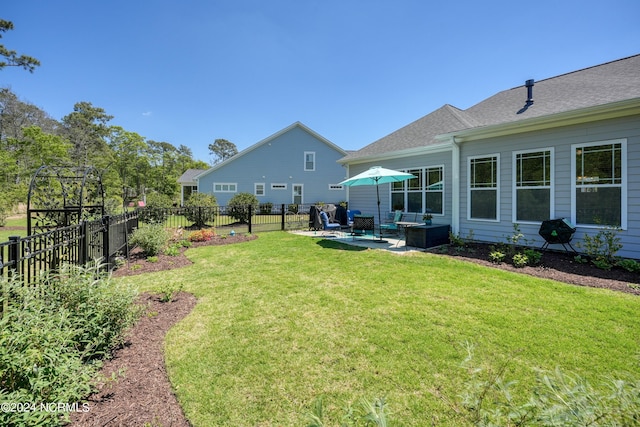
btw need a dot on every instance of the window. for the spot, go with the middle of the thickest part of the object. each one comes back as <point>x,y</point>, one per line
<point>423,193</point>
<point>258,188</point>
<point>224,187</point>
<point>188,190</point>
<point>278,186</point>
<point>532,185</point>
<point>482,197</point>
<point>309,161</point>
<point>599,185</point>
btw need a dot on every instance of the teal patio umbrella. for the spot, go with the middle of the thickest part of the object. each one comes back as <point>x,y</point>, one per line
<point>374,176</point>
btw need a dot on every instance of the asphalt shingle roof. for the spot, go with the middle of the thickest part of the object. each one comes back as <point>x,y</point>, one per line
<point>590,87</point>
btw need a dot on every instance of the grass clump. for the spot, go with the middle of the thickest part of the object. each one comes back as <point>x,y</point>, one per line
<point>53,335</point>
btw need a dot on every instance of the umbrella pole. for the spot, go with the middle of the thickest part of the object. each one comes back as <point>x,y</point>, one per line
<point>379,217</point>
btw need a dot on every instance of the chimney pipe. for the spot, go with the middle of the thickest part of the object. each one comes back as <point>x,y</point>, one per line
<point>529,85</point>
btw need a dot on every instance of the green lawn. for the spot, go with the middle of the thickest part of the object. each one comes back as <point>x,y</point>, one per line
<point>285,319</point>
<point>14,222</point>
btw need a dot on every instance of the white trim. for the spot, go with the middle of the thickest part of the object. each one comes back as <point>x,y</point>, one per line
<point>550,187</point>
<point>423,191</point>
<point>223,184</point>
<point>293,193</point>
<point>622,185</point>
<point>496,188</point>
<point>304,165</point>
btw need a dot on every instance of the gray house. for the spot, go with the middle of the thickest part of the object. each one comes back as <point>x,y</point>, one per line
<point>562,147</point>
<point>294,165</point>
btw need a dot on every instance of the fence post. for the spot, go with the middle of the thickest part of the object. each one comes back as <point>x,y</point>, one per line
<point>14,255</point>
<point>282,217</point>
<point>84,243</point>
<point>106,248</point>
<point>250,218</point>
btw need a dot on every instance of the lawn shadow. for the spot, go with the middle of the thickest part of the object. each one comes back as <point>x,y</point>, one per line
<point>334,244</point>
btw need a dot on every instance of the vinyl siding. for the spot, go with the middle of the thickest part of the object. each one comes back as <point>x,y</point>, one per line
<point>281,161</point>
<point>561,139</point>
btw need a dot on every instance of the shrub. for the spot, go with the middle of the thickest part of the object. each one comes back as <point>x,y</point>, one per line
<point>602,247</point>
<point>201,209</point>
<point>203,235</point>
<point>157,209</point>
<point>51,336</point>
<point>151,239</point>
<point>239,206</point>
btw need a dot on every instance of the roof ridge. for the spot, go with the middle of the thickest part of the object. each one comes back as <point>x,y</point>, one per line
<point>581,70</point>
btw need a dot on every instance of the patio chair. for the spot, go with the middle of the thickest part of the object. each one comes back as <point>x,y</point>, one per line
<point>327,226</point>
<point>350,215</point>
<point>392,227</point>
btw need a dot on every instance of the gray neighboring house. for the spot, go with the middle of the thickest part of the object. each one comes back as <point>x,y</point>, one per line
<point>188,184</point>
<point>294,165</point>
<point>562,147</point>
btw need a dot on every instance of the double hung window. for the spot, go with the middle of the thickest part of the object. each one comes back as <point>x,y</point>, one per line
<point>599,184</point>
<point>533,185</point>
<point>483,193</point>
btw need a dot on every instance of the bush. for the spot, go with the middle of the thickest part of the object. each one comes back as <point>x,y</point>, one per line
<point>151,239</point>
<point>496,257</point>
<point>156,210</point>
<point>602,247</point>
<point>203,235</point>
<point>51,336</point>
<point>239,204</point>
<point>533,256</point>
<point>200,209</point>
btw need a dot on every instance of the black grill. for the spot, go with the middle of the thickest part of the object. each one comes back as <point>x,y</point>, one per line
<point>557,231</point>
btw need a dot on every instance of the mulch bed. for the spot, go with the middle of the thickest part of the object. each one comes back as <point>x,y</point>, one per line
<point>144,395</point>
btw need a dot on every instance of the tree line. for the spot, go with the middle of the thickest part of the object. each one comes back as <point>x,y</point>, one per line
<point>131,166</point>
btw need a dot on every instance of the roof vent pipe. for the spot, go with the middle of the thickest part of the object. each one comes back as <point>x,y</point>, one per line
<point>529,84</point>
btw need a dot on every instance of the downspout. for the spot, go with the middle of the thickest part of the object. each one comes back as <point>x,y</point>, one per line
<point>455,186</point>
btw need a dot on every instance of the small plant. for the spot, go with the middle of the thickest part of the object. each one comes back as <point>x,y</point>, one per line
<point>456,240</point>
<point>185,243</point>
<point>203,235</point>
<point>169,291</point>
<point>152,259</point>
<point>497,256</point>
<point>173,250</point>
<point>580,259</point>
<point>631,265</point>
<point>533,256</point>
<point>366,413</point>
<point>520,260</point>
<point>427,216</point>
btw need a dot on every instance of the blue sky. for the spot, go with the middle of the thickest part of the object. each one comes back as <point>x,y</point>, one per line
<point>191,71</point>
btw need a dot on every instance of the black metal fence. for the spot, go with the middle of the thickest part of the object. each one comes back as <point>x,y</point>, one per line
<point>226,218</point>
<point>102,240</point>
